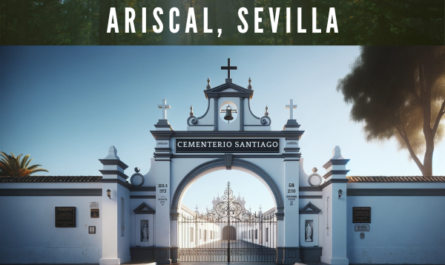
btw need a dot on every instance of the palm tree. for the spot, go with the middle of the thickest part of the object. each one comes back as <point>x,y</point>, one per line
<point>12,166</point>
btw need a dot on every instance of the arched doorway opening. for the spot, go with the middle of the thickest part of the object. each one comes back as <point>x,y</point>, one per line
<point>229,232</point>
<point>219,232</point>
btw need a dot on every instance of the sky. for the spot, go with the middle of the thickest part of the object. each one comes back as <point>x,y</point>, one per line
<point>65,106</point>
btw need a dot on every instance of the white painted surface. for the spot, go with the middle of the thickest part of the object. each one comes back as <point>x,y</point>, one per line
<point>403,229</point>
<point>291,203</point>
<point>28,233</point>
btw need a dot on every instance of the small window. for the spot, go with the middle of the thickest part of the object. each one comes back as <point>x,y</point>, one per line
<point>256,234</point>
<point>205,235</point>
<point>267,234</point>
<point>191,234</point>
<point>200,237</point>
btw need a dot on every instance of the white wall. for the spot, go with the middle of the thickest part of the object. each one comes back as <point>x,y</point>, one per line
<point>28,233</point>
<point>403,229</point>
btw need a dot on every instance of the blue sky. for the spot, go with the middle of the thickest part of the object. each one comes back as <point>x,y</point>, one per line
<point>66,105</point>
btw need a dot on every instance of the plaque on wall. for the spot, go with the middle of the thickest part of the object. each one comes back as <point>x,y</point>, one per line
<point>228,146</point>
<point>361,214</point>
<point>65,216</point>
<point>91,230</point>
<point>94,213</point>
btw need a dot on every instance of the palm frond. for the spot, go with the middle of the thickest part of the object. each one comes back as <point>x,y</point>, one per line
<point>16,166</point>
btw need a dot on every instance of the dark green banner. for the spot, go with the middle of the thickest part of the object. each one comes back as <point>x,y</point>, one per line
<point>225,22</point>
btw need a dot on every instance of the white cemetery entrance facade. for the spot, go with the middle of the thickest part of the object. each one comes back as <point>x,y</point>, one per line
<point>217,140</point>
<point>115,218</point>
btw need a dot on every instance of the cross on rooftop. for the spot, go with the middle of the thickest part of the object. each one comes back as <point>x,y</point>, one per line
<point>164,108</point>
<point>291,106</point>
<point>228,68</point>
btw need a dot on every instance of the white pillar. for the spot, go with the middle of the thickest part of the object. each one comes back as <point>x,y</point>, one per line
<point>115,216</point>
<point>162,217</point>
<point>291,251</point>
<point>335,207</point>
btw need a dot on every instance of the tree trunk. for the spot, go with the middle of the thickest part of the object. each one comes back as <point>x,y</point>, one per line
<point>427,131</point>
<point>428,159</point>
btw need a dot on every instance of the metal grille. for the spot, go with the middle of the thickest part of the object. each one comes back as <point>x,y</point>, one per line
<point>227,233</point>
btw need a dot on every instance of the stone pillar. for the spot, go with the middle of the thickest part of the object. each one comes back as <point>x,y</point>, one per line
<point>163,254</point>
<point>115,211</point>
<point>291,248</point>
<point>335,208</point>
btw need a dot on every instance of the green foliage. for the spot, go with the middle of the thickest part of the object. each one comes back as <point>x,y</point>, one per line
<point>399,92</point>
<point>12,166</point>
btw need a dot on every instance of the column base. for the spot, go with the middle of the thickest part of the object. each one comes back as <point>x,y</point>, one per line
<point>142,254</point>
<point>334,261</point>
<point>310,254</point>
<point>174,252</point>
<point>288,255</point>
<point>162,255</point>
<point>110,261</point>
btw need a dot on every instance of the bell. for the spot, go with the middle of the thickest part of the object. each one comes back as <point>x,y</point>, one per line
<point>228,116</point>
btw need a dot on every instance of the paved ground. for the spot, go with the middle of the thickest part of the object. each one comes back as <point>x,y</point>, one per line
<point>241,263</point>
<point>233,244</point>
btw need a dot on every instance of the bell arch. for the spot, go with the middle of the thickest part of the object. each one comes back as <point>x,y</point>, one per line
<point>243,165</point>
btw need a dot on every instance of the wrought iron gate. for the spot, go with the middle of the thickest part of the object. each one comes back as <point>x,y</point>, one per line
<point>227,233</point>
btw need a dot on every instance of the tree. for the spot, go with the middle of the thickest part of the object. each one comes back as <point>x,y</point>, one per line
<point>12,166</point>
<point>400,92</point>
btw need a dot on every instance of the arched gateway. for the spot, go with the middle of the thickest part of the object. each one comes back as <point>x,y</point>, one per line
<point>229,136</point>
<point>218,140</point>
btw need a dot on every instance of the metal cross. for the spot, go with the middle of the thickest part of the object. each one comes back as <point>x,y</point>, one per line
<point>228,67</point>
<point>291,106</point>
<point>164,108</point>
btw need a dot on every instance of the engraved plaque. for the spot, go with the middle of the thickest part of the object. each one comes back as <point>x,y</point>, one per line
<point>361,214</point>
<point>65,216</point>
<point>94,213</point>
<point>362,228</point>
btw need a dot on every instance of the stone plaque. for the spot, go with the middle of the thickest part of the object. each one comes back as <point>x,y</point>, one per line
<point>65,216</point>
<point>361,214</point>
<point>362,228</point>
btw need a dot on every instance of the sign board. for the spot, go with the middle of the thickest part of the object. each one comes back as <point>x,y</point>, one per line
<point>65,216</point>
<point>227,146</point>
<point>94,213</point>
<point>361,214</point>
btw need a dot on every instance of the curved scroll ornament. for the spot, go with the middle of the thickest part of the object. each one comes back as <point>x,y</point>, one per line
<point>229,210</point>
<point>192,121</point>
<point>228,207</point>
<point>265,120</point>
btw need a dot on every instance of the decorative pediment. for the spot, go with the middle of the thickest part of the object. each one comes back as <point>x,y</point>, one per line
<point>228,89</point>
<point>310,209</point>
<point>144,209</point>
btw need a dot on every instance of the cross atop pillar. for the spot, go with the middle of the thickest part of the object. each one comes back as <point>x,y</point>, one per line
<point>291,106</point>
<point>228,68</point>
<point>164,108</point>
